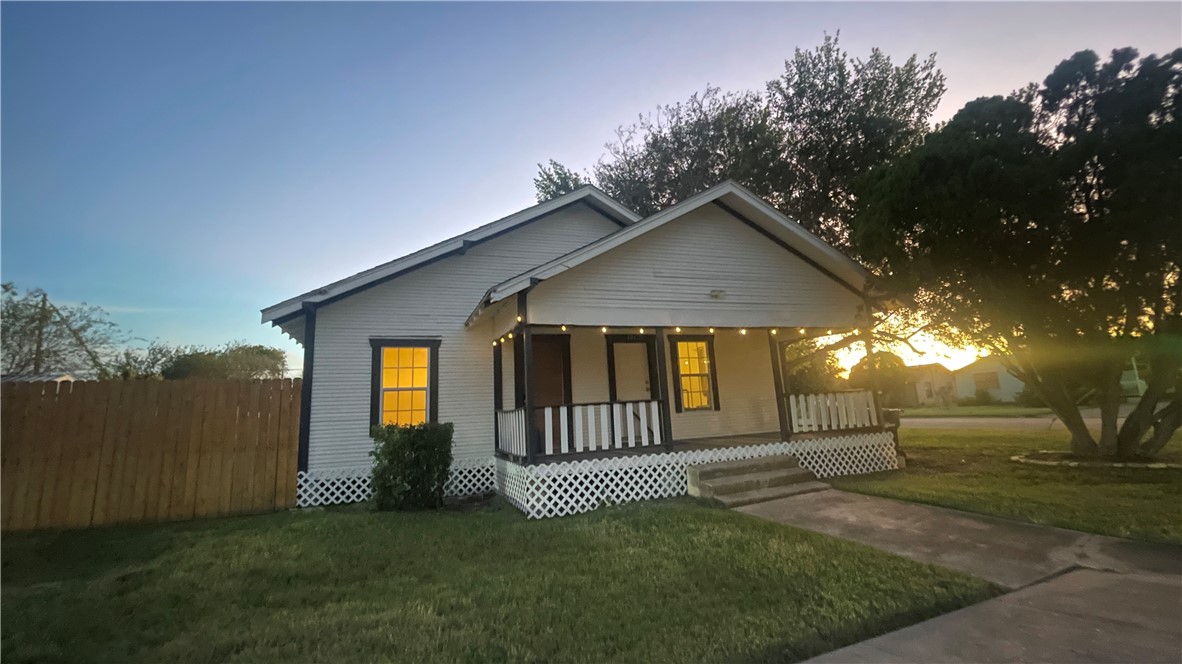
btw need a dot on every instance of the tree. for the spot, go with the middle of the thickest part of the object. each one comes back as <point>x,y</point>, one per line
<point>40,336</point>
<point>554,180</point>
<point>883,373</point>
<point>235,361</point>
<point>1044,226</point>
<point>811,371</point>
<point>799,144</point>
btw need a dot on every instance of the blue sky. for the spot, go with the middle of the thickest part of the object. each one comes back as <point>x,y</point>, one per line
<point>184,165</point>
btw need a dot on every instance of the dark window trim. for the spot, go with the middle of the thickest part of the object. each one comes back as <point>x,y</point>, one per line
<point>650,342</point>
<point>309,311</point>
<point>375,384</point>
<point>709,339</point>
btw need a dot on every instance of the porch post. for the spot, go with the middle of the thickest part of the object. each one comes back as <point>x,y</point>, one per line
<point>498,394</point>
<point>663,386</point>
<point>525,331</point>
<point>780,380</point>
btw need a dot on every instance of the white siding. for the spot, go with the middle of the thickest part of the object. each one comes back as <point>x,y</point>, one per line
<point>746,391</point>
<point>1009,386</point>
<point>666,278</point>
<point>433,301</point>
<point>588,365</point>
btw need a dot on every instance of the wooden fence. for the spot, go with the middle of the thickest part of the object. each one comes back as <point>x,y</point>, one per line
<point>91,453</point>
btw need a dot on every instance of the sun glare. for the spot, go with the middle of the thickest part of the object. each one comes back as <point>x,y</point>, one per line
<point>932,351</point>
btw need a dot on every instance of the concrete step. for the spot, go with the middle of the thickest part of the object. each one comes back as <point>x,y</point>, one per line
<point>719,486</point>
<point>708,471</point>
<point>771,493</point>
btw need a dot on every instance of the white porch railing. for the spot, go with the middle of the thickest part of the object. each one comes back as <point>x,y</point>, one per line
<point>833,411</point>
<point>601,426</point>
<point>511,431</point>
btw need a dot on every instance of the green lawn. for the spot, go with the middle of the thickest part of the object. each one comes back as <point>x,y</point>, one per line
<point>969,469</point>
<point>666,581</point>
<point>1000,410</point>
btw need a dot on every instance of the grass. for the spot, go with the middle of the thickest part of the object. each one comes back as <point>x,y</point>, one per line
<point>999,410</point>
<point>969,469</point>
<point>667,581</point>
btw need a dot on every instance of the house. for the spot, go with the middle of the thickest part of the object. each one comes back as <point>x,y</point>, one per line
<point>585,355</point>
<point>987,375</point>
<point>930,385</point>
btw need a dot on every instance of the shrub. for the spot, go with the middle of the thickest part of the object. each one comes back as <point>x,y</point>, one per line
<point>1028,397</point>
<point>410,465</point>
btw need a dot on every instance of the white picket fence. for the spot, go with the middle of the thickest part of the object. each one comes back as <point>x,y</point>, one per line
<point>833,411</point>
<point>601,426</point>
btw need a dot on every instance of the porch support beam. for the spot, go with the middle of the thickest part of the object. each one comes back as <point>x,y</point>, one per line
<point>663,386</point>
<point>498,393</point>
<point>526,333</point>
<point>780,381</point>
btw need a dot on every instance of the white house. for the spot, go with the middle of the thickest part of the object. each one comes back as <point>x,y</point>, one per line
<point>585,354</point>
<point>987,375</point>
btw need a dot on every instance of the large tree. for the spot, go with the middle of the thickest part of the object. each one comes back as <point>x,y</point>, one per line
<point>799,143</point>
<point>1044,226</point>
<point>41,336</point>
<point>234,361</point>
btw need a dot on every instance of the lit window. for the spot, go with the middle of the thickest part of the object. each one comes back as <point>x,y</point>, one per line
<point>695,374</point>
<point>403,382</point>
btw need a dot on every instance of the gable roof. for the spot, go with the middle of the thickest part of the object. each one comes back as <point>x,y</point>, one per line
<point>587,194</point>
<point>931,366</point>
<point>734,199</point>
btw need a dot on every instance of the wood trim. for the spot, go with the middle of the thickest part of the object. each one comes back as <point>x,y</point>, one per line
<point>663,384</point>
<point>784,245</point>
<point>676,362</point>
<point>498,391</point>
<point>377,344</point>
<point>309,310</point>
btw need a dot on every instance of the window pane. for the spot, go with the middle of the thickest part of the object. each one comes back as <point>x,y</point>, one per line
<point>404,400</point>
<point>406,377</point>
<point>389,401</point>
<point>389,358</point>
<point>420,378</point>
<point>418,399</point>
<point>406,357</point>
<point>420,357</point>
<point>390,378</point>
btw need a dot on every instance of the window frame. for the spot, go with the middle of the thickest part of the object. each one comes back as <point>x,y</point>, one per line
<point>378,344</point>
<point>994,382</point>
<point>713,373</point>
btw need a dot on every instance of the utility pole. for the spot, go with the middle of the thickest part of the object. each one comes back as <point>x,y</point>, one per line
<point>42,321</point>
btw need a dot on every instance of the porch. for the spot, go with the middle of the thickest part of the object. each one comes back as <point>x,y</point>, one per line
<point>683,389</point>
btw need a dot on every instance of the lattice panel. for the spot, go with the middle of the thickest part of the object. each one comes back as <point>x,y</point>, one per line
<point>572,487</point>
<point>352,485</point>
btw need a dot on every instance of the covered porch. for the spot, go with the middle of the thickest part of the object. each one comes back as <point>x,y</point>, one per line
<point>564,393</point>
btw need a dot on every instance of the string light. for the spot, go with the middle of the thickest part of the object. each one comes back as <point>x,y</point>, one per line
<point>828,331</point>
<point>743,331</point>
<point>564,328</point>
<point>802,330</point>
<point>494,342</point>
<point>502,339</point>
<point>519,319</point>
<point>510,335</point>
<point>774,330</point>
<point>603,329</point>
<point>677,328</point>
<point>711,330</point>
<point>642,330</point>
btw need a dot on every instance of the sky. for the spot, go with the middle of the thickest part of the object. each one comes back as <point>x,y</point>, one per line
<point>185,165</point>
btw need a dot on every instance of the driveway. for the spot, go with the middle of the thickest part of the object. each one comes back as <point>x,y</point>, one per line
<point>1078,597</point>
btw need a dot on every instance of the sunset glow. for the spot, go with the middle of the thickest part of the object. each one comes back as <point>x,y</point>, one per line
<point>933,351</point>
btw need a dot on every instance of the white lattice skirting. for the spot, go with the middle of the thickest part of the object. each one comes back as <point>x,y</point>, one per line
<point>571,487</point>
<point>351,485</point>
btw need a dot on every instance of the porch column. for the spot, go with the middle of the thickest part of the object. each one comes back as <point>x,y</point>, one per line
<point>526,333</point>
<point>780,381</point>
<point>663,386</point>
<point>498,394</point>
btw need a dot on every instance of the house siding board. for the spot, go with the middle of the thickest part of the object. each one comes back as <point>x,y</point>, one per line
<point>666,277</point>
<point>431,302</point>
<point>1008,386</point>
<point>746,390</point>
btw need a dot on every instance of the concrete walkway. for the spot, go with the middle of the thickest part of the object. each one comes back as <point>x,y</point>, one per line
<point>1078,597</point>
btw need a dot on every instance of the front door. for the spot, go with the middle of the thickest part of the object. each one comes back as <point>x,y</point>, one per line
<point>633,380</point>
<point>550,381</point>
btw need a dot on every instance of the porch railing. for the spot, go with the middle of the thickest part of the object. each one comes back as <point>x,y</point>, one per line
<point>600,426</point>
<point>833,411</point>
<point>511,431</point>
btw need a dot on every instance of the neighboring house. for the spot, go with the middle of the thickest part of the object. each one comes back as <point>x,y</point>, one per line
<point>930,385</point>
<point>567,338</point>
<point>989,375</point>
<point>52,377</point>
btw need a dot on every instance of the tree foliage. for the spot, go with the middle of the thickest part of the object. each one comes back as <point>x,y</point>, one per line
<point>799,144</point>
<point>41,336</point>
<point>554,180</point>
<point>884,373</point>
<point>234,361</point>
<point>1044,225</point>
<point>810,370</point>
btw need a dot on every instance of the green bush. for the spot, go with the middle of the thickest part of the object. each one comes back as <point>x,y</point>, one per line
<point>981,398</point>
<point>410,465</point>
<point>1028,397</point>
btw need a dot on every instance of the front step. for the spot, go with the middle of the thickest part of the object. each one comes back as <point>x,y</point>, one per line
<point>748,481</point>
<point>763,495</point>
